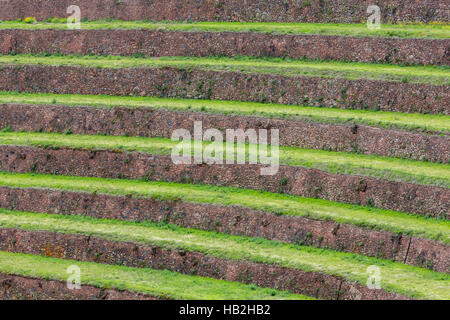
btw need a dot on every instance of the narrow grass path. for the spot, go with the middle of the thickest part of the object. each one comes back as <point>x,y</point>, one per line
<point>334,162</point>
<point>397,277</point>
<point>384,119</point>
<point>430,31</point>
<point>435,75</point>
<point>159,283</point>
<point>373,218</point>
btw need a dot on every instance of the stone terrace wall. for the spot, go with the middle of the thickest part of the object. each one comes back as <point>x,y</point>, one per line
<point>173,82</point>
<point>165,43</point>
<point>312,183</point>
<point>87,248</point>
<point>148,122</point>
<point>14,287</point>
<point>235,220</point>
<point>345,11</point>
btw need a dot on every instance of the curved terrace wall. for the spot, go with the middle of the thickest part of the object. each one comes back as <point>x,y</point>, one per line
<point>166,43</point>
<point>148,122</point>
<point>344,11</point>
<point>235,220</point>
<point>174,82</point>
<point>13,287</point>
<point>406,197</point>
<point>86,248</point>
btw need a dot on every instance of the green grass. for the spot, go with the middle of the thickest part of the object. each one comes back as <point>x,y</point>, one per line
<point>374,218</point>
<point>356,30</point>
<point>335,162</point>
<point>396,277</point>
<point>436,75</point>
<point>159,283</point>
<point>408,121</point>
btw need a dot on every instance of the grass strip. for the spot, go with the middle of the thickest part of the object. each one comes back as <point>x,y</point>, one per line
<point>435,75</point>
<point>279,204</point>
<point>384,119</point>
<point>397,277</point>
<point>159,283</point>
<point>334,162</point>
<point>429,31</point>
